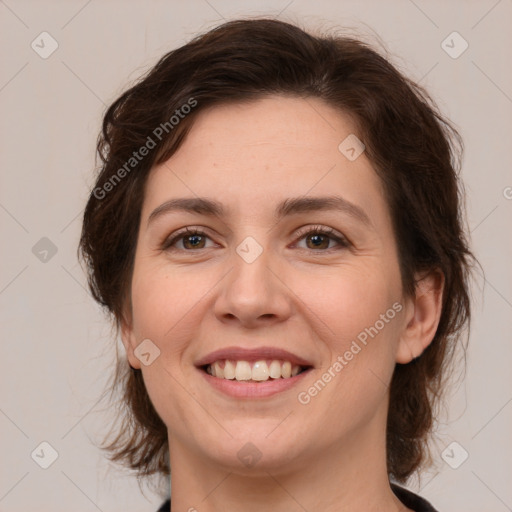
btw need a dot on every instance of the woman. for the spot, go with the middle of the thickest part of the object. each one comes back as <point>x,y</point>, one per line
<point>276,230</point>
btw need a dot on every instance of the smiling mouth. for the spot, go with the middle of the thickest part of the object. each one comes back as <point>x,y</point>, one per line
<point>255,371</point>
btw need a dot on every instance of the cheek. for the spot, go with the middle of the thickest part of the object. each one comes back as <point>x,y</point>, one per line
<point>165,304</point>
<point>362,308</point>
<point>162,298</point>
<point>363,312</point>
<point>350,298</point>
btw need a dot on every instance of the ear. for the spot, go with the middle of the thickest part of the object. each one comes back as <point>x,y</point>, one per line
<point>423,314</point>
<point>128,338</point>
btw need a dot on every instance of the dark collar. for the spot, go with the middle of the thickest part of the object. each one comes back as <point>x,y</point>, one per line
<point>408,498</point>
<point>411,500</point>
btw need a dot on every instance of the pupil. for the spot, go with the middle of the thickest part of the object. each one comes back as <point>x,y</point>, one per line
<point>195,238</point>
<point>318,239</point>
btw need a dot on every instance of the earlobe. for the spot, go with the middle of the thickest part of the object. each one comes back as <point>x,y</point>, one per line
<point>424,314</point>
<point>128,339</point>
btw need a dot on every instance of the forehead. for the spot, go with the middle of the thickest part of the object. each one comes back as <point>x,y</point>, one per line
<point>252,155</point>
<point>274,121</point>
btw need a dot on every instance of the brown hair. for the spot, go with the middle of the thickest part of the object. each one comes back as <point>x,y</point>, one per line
<point>414,150</point>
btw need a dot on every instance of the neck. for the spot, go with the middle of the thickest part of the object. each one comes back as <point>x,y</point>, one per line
<point>351,476</point>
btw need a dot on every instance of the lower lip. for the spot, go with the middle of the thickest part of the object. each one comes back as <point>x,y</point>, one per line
<point>246,389</point>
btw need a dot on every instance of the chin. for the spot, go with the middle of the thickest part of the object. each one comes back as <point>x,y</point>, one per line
<point>253,450</point>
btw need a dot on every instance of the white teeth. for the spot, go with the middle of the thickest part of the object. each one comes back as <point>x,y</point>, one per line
<point>243,371</point>
<point>229,370</point>
<point>217,370</point>
<point>258,371</point>
<point>275,369</point>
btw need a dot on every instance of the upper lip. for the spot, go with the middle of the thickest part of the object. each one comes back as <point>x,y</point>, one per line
<point>250,355</point>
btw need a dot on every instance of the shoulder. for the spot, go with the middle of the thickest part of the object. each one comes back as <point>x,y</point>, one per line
<point>411,500</point>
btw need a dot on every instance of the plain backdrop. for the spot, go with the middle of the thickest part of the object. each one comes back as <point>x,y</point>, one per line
<point>57,347</point>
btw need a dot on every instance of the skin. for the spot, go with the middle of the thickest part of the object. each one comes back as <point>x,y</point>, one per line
<point>329,454</point>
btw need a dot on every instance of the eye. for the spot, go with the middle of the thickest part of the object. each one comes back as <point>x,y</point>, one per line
<point>320,236</point>
<point>192,238</point>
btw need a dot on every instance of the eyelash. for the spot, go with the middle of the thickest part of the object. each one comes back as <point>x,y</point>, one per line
<point>317,230</point>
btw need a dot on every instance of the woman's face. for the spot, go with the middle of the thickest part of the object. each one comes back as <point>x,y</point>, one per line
<point>257,280</point>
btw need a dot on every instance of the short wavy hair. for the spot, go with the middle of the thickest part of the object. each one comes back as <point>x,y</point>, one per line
<point>414,150</point>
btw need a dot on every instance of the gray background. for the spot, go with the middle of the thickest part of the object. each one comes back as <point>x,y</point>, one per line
<point>57,347</point>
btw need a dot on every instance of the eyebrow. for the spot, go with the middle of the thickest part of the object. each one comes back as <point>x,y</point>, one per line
<point>288,207</point>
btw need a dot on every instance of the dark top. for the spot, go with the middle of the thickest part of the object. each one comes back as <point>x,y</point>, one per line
<point>408,498</point>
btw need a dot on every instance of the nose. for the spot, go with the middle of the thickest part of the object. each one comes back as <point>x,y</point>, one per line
<point>253,293</point>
